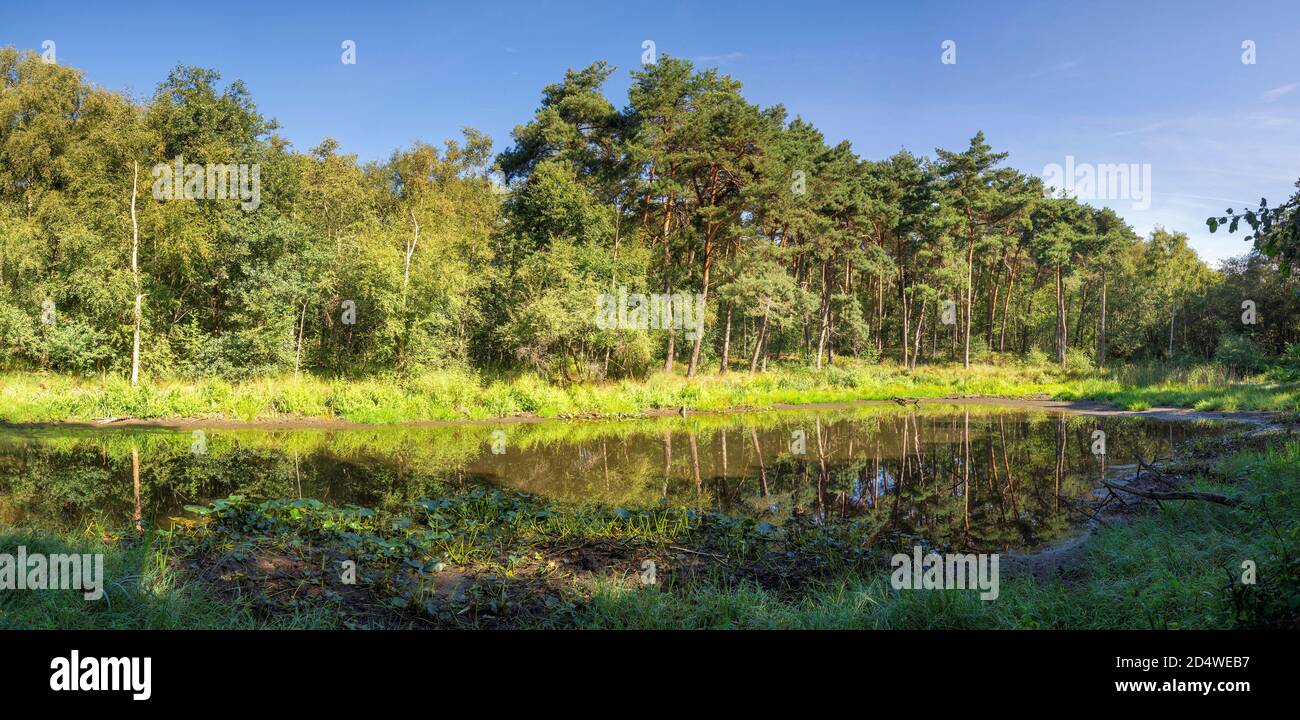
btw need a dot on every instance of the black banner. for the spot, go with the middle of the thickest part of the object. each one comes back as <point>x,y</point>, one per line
<point>336,669</point>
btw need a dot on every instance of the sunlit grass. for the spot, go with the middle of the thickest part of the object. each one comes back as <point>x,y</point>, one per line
<point>464,394</point>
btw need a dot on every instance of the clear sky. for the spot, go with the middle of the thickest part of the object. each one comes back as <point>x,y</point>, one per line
<point>1158,83</point>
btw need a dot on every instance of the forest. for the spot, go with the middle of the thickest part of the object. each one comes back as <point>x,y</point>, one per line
<point>674,332</point>
<point>456,255</point>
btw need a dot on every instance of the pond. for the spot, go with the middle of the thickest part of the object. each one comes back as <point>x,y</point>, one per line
<point>981,477</point>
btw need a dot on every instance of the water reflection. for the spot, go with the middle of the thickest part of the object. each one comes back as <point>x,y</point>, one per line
<point>977,477</point>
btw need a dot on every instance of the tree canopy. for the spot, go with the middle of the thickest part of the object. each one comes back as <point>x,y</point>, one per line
<point>446,254</point>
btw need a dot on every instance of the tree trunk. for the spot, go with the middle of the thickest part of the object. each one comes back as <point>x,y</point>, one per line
<point>996,274</point>
<point>410,250</point>
<point>965,465</point>
<point>704,298</point>
<point>137,514</point>
<point>297,356</point>
<point>903,308</point>
<point>1006,303</point>
<point>916,337</point>
<point>823,334</point>
<point>668,216</point>
<point>880,313</point>
<point>1060,458</point>
<point>695,463</point>
<point>1083,308</point>
<point>760,337</point>
<point>726,341</point>
<point>1061,341</point>
<point>709,231</point>
<point>762,466</point>
<point>1172,310</point>
<point>406,281</point>
<point>970,295</point>
<point>1101,327</point>
<point>135,280</point>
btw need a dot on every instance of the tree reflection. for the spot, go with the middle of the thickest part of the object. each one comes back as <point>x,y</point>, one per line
<point>960,477</point>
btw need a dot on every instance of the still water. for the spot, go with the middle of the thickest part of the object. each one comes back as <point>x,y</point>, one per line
<point>981,477</point>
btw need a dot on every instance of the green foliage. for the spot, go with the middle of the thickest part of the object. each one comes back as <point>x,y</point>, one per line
<point>1239,353</point>
<point>1079,360</point>
<point>445,257</point>
<point>1274,230</point>
<point>1287,367</point>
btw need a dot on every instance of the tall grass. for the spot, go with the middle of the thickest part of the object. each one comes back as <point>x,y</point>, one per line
<point>465,394</point>
<point>1206,386</point>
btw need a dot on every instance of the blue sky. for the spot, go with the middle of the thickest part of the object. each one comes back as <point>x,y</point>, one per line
<point>1105,82</point>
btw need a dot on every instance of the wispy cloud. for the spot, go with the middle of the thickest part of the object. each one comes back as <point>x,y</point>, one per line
<point>1060,67</point>
<point>718,59</point>
<point>1144,129</point>
<point>1268,120</point>
<point>1190,196</point>
<point>1279,91</point>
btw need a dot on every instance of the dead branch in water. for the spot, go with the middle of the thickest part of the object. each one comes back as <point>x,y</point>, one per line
<point>1151,468</point>
<point>1180,495</point>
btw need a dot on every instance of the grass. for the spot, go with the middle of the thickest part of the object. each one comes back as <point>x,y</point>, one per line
<point>463,394</point>
<point>142,589</point>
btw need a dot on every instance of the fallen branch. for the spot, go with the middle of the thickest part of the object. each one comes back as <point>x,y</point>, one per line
<point>1181,495</point>
<point>1151,468</point>
<point>697,552</point>
<point>1112,494</point>
<point>1076,507</point>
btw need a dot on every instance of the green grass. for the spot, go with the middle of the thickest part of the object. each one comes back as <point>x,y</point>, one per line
<point>1263,396</point>
<point>462,394</point>
<point>142,590</point>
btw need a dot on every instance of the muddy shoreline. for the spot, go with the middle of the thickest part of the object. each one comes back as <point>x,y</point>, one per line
<point>1078,407</point>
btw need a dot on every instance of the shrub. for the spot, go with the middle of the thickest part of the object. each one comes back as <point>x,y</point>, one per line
<point>1036,357</point>
<point>1286,368</point>
<point>74,346</point>
<point>1239,353</point>
<point>1078,359</point>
